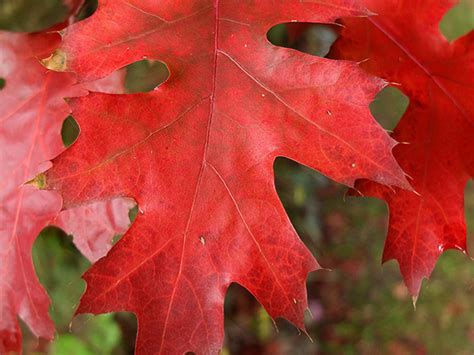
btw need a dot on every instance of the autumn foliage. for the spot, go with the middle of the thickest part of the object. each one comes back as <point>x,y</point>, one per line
<point>196,154</point>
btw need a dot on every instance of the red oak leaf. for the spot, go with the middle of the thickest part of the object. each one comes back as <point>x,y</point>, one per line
<point>31,116</point>
<point>197,154</point>
<point>403,44</point>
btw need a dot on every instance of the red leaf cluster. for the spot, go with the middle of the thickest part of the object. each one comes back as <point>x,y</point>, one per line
<point>197,154</point>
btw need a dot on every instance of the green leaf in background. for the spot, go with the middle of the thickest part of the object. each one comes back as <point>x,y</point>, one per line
<point>59,267</point>
<point>69,345</point>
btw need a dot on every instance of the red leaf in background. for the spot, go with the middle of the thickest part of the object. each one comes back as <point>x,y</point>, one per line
<point>31,95</point>
<point>93,226</point>
<point>403,44</point>
<point>31,116</point>
<point>197,155</point>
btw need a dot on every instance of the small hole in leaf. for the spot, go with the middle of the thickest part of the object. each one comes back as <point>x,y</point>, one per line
<point>458,21</point>
<point>145,75</point>
<point>3,82</point>
<point>69,131</point>
<point>389,106</point>
<point>311,38</point>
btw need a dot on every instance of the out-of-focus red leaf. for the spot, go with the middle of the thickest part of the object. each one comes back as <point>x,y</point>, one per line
<point>403,44</point>
<point>197,154</point>
<point>93,226</point>
<point>32,111</point>
<point>28,139</point>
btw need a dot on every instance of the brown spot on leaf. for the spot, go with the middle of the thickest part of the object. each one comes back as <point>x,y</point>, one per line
<point>56,61</point>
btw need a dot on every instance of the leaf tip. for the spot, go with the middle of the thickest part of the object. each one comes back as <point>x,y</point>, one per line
<point>305,332</point>
<point>56,61</point>
<point>275,325</point>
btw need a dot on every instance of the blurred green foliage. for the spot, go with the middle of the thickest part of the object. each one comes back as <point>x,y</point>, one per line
<point>459,20</point>
<point>358,308</point>
<point>31,16</point>
<point>59,267</point>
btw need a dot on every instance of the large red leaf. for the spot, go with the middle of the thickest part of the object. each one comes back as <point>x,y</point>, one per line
<point>403,44</point>
<point>197,154</point>
<point>31,115</point>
